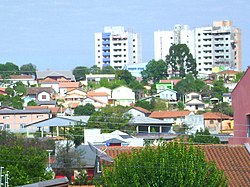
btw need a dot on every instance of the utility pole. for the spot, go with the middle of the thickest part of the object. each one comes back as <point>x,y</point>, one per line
<point>1,175</point>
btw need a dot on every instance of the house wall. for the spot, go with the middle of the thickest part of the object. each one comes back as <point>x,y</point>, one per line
<point>124,96</point>
<point>135,112</point>
<point>168,95</point>
<point>55,86</point>
<point>191,96</point>
<point>43,96</point>
<point>16,122</point>
<point>241,107</point>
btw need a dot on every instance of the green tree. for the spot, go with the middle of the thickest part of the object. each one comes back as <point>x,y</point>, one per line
<point>155,71</point>
<point>171,164</point>
<point>224,108</point>
<point>80,72</point>
<point>181,61</point>
<point>19,155</point>
<point>124,75</point>
<point>84,110</point>
<point>94,69</point>
<point>108,70</point>
<point>144,104</point>
<point>32,103</point>
<point>218,89</point>
<point>203,137</point>
<point>189,84</point>
<point>238,76</point>
<point>28,69</point>
<point>76,133</point>
<point>110,118</point>
<point>8,69</point>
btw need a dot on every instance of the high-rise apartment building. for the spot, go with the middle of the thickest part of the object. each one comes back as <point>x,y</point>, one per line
<point>117,47</point>
<point>215,48</point>
<point>164,39</point>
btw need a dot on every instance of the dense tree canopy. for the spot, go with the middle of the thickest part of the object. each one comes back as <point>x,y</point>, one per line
<point>24,159</point>
<point>80,72</point>
<point>94,69</point>
<point>8,69</point>
<point>84,110</point>
<point>189,84</point>
<point>218,89</point>
<point>155,71</point>
<point>204,137</point>
<point>180,61</point>
<point>224,108</point>
<point>171,164</point>
<point>28,69</point>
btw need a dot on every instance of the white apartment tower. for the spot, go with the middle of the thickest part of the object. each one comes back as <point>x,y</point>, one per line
<point>117,47</point>
<point>164,39</point>
<point>215,48</point>
<point>218,48</point>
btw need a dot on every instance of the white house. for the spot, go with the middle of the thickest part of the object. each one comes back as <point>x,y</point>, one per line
<point>195,105</point>
<point>123,96</point>
<point>100,96</point>
<point>168,94</point>
<point>95,137</point>
<point>95,102</point>
<point>104,89</point>
<point>138,111</point>
<point>192,95</point>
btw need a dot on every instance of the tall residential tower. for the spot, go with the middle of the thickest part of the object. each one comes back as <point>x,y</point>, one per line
<point>117,47</point>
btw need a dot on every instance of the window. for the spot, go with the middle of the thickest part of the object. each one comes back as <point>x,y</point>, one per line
<point>6,126</point>
<point>39,116</point>
<point>6,117</point>
<point>22,125</point>
<point>211,121</point>
<point>23,117</point>
<point>43,96</point>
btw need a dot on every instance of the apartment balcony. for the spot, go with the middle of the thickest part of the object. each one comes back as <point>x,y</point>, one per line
<point>106,59</point>
<point>105,35</point>
<point>106,42</point>
<point>106,48</point>
<point>106,54</point>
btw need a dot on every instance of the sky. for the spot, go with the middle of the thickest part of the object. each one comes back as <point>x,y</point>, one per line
<point>59,34</point>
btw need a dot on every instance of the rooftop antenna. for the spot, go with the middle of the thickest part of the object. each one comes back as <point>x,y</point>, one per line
<point>100,154</point>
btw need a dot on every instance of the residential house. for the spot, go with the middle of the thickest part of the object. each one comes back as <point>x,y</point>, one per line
<point>226,75</point>
<point>25,79</point>
<point>171,117</point>
<point>40,93</point>
<point>123,96</point>
<point>115,138</point>
<point>192,95</point>
<point>227,98</point>
<point>241,107</point>
<point>95,102</point>
<point>95,78</point>
<point>2,91</point>
<point>15,120</point>
<point>139,111</point>
<point>73,98</point>
<point>58,182</point>
<point>218,122</point>
<point>233,160</point>
<point>100,96</point>
<point>166,84</point>
<point>104,89</point>
<point>52,78</point>
<point>195,105</point>
<point>168,94</point>
<point>64,87</point>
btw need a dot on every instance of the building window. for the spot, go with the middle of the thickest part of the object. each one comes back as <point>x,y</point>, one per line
<point>39,116</point>
<point>6,126</point>
<point>133,45</point>
<point>124,49</point>
<point>23,117</point>
<point>22,125</point>
<point>211,121</point>
<point>6,117</point>
<point>43,96</point>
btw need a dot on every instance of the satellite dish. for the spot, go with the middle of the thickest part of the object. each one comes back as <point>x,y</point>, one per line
<point>101,154</point>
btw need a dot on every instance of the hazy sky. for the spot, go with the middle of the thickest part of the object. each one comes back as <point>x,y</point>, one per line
<point>59,34</point>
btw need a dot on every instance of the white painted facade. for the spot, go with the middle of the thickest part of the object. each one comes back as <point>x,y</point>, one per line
<point>123,96</point>
<point>116,47</point>
<point>43,96</point>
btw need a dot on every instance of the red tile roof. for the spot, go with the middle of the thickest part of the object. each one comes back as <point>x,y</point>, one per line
<point>69,84</point>
<point>55,110</point>
<point>215,115</point>
<point>169,114</point>
<point>142,109</point>
<point>234,160</point>
<point>93,94</point>
<point>228,72</point>
<point>36,107</point>
<point>174,81</point>
<point>21,77</point>
<point>2,91</point>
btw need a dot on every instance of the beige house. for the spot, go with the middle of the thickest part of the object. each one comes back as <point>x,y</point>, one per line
<point>123,96</point>
<point>74,98</point>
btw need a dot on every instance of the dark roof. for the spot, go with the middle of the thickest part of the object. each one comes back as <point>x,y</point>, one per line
<point>16,111</point>
<point>54,182</point>
<point>114,140</point>
<point>44,74</point>
<point>53,102</point>
<point>89,155</point>
<point>37,90</point>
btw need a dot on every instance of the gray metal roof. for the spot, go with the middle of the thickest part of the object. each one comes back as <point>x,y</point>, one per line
<point>114,140</point>
<point>61,121</point>
<point>44,74</point>
<point>16,111</point>
<point>52,102</point>
<point>53,182</point>
<point>145,120</point>
<point>88,154</point>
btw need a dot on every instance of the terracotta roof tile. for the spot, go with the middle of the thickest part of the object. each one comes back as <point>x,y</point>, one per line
<point>37,90</point>
<point>55,110</point>
<point>234,160</point>
<point>216,115</point>
<point>169,114</point>
<point>142,109</point>
<point>230,72</point>
<point>174,81</point>
<point>36,107</point>
<point>69,84</point>
<point>93,93</point>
